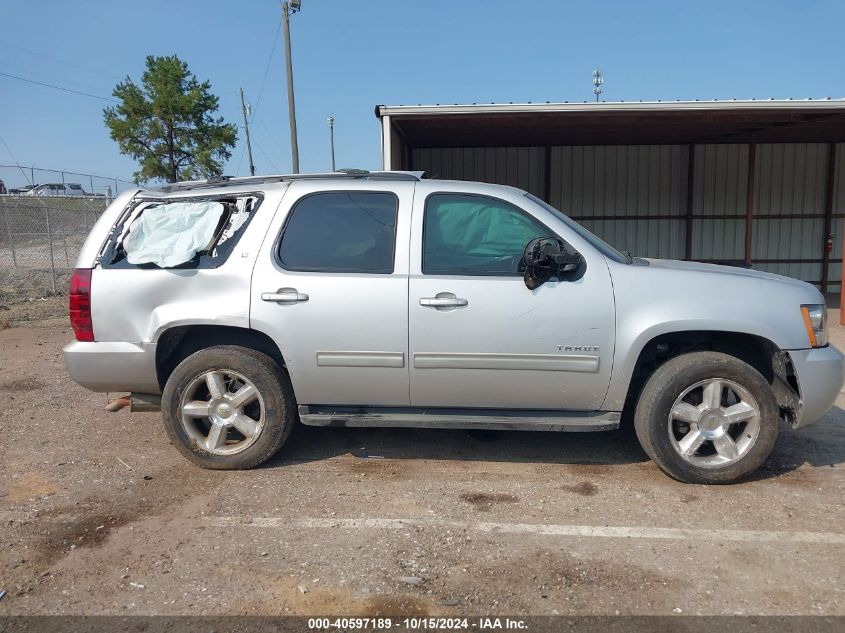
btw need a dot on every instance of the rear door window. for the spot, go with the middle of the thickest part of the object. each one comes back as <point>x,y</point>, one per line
<point>341,232</point>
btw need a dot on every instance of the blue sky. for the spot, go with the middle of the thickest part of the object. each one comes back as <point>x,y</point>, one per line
<point>350,56</point>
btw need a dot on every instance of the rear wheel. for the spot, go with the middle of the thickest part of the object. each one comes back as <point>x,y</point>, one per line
<point>708,418</point>
<point>228,407</point>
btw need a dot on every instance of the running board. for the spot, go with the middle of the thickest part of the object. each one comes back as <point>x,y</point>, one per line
<point>488,419</point>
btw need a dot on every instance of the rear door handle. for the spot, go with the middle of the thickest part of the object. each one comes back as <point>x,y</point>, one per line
<point>443,302</point>
<point>284,295</point>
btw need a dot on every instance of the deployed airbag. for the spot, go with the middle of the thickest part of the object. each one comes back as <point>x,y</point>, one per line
<point>171,234</point>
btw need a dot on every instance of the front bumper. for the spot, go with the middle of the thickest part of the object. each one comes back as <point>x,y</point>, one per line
<point>820,373</point>
<point>113,366</point>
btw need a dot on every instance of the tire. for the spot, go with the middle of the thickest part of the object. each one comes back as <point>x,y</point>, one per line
<point>225,434</point>
<point>685,436</point>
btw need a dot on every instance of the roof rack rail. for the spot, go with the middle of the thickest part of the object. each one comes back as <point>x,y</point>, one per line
<point>230,181</point>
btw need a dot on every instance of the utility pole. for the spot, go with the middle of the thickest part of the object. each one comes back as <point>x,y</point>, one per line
<point>289,7</point>
<point>330,121</point>
<point>244,107</point>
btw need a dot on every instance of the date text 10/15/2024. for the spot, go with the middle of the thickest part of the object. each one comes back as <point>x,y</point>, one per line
<point>415,624</point>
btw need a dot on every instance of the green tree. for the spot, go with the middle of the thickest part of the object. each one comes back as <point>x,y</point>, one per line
<point>166,123</point>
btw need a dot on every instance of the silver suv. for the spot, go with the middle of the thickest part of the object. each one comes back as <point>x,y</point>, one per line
<point>239,306</point>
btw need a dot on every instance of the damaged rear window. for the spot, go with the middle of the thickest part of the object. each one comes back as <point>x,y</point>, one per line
<point>180,233</point>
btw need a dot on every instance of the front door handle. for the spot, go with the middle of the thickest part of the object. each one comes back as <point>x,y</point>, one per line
<point>284,295</point>
<point>443,302</point>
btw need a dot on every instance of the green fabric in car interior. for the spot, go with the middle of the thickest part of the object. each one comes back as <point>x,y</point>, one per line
<point>469,232</point>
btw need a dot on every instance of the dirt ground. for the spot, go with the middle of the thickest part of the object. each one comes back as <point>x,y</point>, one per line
<point>100,515</point>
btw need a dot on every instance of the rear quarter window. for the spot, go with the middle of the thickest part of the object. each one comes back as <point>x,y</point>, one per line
<point>239,211</point>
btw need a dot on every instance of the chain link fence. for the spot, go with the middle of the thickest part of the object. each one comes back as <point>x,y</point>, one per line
<point>19,179</point>
<point>40,238</point>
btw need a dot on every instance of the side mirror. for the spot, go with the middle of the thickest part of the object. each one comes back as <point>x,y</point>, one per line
<point>547,257</point>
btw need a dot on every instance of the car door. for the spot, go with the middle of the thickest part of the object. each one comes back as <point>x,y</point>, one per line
<point>479,338</point>
<point>330,287</point>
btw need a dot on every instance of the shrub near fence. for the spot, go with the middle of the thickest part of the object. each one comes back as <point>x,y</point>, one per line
<point>40,238</point>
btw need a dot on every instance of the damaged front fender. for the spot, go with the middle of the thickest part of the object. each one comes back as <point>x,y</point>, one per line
<point>786,389</point>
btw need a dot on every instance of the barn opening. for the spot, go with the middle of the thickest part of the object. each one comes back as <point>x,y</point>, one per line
<point>754,183</point>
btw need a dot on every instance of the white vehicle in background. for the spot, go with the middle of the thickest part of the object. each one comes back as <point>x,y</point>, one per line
<point>58,189</point>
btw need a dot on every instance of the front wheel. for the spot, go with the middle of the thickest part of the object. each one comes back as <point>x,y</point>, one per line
<point>228,407</point>
<point>707,418</point>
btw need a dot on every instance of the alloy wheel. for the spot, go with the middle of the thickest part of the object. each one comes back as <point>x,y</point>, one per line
<point>222,411</point>
<point>714,423</point>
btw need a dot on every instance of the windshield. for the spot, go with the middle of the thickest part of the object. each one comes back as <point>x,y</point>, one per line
<point>603,247</point>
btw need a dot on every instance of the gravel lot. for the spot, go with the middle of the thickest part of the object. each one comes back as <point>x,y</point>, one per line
<point>100,515</point>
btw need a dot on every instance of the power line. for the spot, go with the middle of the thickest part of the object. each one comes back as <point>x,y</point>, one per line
<point>2,140</point>
<point>46,85</point>
<point>271,136</point>
<point>269,160</point>
<point>261,90</point>
<point>57,60</point>
<point>45,76</point>
<point>267,67</point>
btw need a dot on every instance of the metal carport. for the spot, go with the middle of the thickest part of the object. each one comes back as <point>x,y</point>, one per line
<point>760,183</point>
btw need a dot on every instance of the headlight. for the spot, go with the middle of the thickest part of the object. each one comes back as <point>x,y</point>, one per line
<point>815,320</point>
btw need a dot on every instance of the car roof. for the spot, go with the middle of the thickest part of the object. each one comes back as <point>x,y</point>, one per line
<point>222,182</point>
<point>213,186</point>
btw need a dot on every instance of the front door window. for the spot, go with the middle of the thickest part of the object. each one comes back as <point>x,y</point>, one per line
<point>475,235</point>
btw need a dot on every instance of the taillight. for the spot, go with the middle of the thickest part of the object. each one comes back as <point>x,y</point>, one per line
<point>80,304</point>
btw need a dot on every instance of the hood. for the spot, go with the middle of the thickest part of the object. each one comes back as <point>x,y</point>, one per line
<point>733,271</point>
<point>677,296</point>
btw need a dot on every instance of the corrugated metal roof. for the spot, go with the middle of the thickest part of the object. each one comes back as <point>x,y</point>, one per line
<point>621,106</point>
